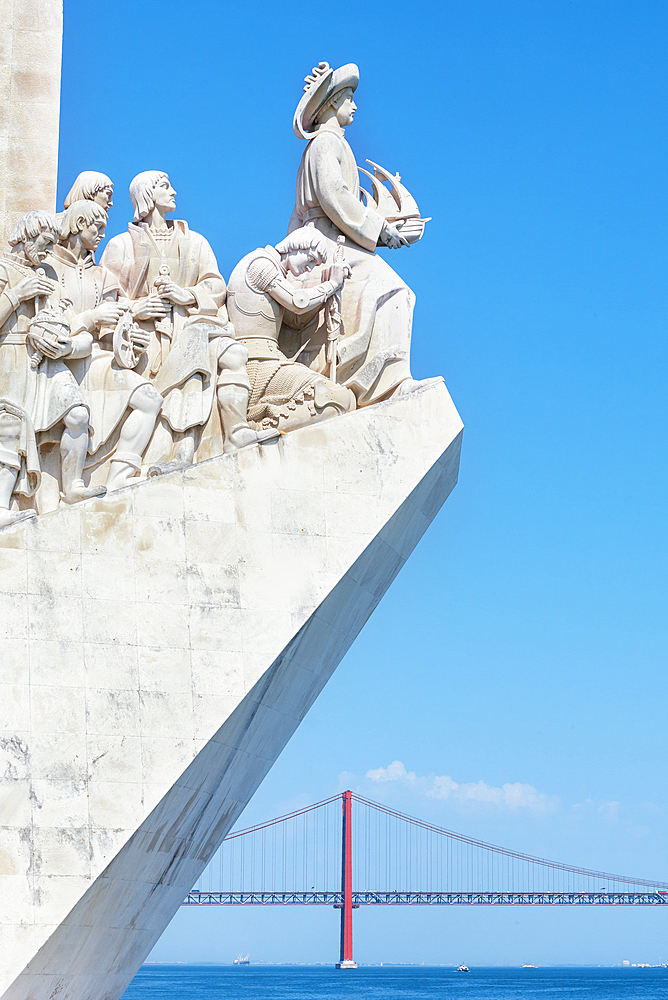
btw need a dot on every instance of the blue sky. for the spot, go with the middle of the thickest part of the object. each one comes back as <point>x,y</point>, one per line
<point>525,641</point>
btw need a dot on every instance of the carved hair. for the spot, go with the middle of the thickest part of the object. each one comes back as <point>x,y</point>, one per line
<point>80,214</point>
<point>86,186</point>
<point>141,192</point>
<point>31,225</point>
<point>305,239</point>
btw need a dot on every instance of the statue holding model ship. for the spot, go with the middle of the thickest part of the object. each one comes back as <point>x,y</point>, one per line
<point>373,352</point>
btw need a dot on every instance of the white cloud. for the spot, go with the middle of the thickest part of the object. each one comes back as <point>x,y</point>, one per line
<point>393,772</point>
<point>515,795</point>
<point>609,811</point>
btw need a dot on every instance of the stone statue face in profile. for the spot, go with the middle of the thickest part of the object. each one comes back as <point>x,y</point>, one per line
<point>342,107</point>
<point>33,236</point>
<point>300,261</point>
<point>164,196</point>
<point>91,185</point>
<point>153,197</point>
<point>36,250</point>
<point>89,236</point>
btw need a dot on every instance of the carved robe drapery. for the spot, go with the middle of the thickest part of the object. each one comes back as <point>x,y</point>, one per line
<point>18,448</point>
<point>183,365</point>
<point>376,305</point>
<point>107,387</point>
<point>49,390</point>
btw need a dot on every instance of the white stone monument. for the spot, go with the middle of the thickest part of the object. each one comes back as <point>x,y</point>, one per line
<point>32,33</point>
<point>269,463</point>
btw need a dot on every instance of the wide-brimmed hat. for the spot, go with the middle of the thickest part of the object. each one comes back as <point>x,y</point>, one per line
<point>323,83</point>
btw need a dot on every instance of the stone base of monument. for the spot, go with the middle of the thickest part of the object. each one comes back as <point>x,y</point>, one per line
<point>159,648</point>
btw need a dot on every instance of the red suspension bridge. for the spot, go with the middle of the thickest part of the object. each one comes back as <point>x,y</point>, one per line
<point>317,856</point>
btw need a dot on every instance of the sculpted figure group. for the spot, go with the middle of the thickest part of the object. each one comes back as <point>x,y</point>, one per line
<point>147,361</point>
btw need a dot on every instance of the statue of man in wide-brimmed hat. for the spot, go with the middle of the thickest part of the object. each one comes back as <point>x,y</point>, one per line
<point>377,306</point>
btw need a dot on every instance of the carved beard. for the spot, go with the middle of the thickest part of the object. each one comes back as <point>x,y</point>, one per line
<point>31,254</point>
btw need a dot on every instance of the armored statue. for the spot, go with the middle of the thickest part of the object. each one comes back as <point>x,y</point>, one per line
<point>170,275</point>
<point>36,348</point>
<point>123,404</point>
<point>260,292</point>
<point>376,305</point>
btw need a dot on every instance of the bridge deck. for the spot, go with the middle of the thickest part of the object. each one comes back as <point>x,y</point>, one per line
<point>371,898</point>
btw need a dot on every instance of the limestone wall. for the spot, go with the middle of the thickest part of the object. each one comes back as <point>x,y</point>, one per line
<point>31,51</point>
<point>159,647</point>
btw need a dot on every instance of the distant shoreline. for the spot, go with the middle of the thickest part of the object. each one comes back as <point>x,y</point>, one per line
<point>388,965</point>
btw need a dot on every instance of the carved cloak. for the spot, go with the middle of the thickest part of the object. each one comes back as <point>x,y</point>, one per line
<point>184,370</point>
<point>376,305</point>
<point>46,392</point>
<point>107,388</point>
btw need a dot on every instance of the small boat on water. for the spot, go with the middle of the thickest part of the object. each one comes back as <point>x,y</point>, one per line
<point>529,966</point>
<point>462,968</point>
<point>241,960</point>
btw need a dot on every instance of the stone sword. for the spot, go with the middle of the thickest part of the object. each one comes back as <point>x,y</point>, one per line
<point>333,319</point>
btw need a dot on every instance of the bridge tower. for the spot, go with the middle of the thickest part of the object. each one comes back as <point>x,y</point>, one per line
<point>346,954</point>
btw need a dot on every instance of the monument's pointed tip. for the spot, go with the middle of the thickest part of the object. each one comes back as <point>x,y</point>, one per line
<point>192,626</point>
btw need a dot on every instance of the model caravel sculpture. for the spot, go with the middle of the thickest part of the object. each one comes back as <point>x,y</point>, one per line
<point>200,569</point>
<point>396,203</point>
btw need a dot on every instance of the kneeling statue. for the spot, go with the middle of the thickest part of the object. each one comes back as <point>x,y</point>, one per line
<point>260,297</point>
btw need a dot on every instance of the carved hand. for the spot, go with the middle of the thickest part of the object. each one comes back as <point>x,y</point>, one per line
<point>391,237</point>
<point>139,338</point>
<point>338,273</point>
<point>53,347</point>
<point>412,229</point>
<point>150,307</point>
<point>174,293</point>
<point>107,314</point>
<point>32,286</point>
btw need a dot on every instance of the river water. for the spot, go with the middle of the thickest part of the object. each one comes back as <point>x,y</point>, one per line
<point>207,982</point>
